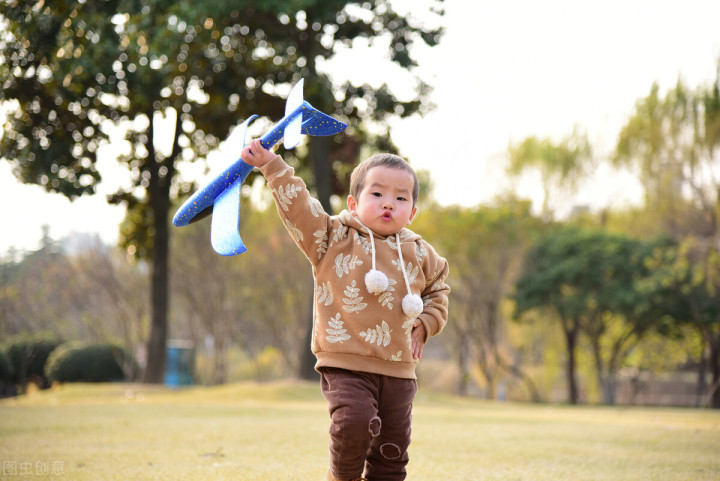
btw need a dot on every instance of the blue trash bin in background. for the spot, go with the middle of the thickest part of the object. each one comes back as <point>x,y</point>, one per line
<point>179,364</point>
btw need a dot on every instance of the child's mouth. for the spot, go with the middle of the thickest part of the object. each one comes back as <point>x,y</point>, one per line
<point>387,216</point>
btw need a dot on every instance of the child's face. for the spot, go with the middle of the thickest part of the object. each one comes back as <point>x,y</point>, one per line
<point>385,203</point>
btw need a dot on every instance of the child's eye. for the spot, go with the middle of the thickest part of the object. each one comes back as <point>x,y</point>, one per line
<point>401,199</point>
<point>376,194</point>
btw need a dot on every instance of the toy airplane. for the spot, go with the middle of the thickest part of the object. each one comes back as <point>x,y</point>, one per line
<point>221,195</point>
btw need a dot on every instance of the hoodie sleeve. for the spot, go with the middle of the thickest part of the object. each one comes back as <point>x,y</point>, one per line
<point>435,295</point>
<point>303,216</point>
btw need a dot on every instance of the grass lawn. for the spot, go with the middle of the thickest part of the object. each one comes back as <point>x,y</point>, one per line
<point>278,431</point>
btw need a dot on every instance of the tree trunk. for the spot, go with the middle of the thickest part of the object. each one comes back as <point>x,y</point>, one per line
<point>319,151</point>
<point>603,375</point>
<point>702,375</point>
<point>516,371</point>
<point>159,200</point>
<point>608,390</point>
<point>463,364</point>
<point>220,360</point>
<point>570,329</point>
<point>492,394</point>
<point>155,368</point>
<point>714,361</point>
<point>489,368</point>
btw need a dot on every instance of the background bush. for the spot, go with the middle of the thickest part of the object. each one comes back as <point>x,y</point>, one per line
<point>84,362</point>
<point>27,355</point>
<point>6,369</point>
<point>7,388</point>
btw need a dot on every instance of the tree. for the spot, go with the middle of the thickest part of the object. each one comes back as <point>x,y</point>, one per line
<point>176,77</point>
<point>253,302</point>
<point>561,166</point>
<point>592,282</point>
<point>689,275</point>
<point>484,247</point>
<point>673,143</point>
<point>88,292</point>
<point>550,281</point>
<point>45,274</point>
<point>111,300</point>
<point>621,308</point>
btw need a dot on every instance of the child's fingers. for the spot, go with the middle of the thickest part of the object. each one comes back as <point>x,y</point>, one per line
<point>417,350</point>
<point>252,151</point>
<point>417,343</point>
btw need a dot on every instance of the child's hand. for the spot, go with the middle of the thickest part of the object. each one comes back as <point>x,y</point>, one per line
<point>418,339</point>
<point>256,155</point>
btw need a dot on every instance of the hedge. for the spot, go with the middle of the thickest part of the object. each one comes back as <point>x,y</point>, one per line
<point>6,368</point>
<point>86,362</point>
<point>27,355</point>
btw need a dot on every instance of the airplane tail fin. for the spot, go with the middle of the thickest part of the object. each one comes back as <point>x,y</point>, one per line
<point>292,134</point>
<point>317,123</point>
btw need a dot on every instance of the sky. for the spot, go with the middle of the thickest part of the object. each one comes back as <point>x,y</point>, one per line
<point>503,71</point>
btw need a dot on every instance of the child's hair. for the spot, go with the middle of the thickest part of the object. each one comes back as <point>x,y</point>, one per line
<point>357,178</point>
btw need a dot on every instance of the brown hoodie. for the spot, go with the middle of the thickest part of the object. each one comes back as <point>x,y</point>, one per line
<point>352,328</point>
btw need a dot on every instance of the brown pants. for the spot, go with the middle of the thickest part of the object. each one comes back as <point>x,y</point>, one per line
<point>370,429</point>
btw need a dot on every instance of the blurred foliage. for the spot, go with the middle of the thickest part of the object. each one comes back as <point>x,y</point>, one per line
<point>221,304</point>
<point>71,70</point>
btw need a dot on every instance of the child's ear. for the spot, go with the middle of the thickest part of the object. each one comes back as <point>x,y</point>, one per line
<point>352,204</point>
<point>412,215</point>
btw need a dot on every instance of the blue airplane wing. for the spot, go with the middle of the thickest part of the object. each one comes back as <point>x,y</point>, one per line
<point>224,228</point>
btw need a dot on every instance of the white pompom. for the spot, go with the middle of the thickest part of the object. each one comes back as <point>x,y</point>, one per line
<point>376,281</point>
<point>412,305</point>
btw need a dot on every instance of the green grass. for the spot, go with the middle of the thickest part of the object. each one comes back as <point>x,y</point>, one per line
<point>278,431</point>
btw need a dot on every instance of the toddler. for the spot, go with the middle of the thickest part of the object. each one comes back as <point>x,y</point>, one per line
<point>380,293</point>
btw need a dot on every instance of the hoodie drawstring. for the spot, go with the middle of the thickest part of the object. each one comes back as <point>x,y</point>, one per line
<point>377,282</point>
